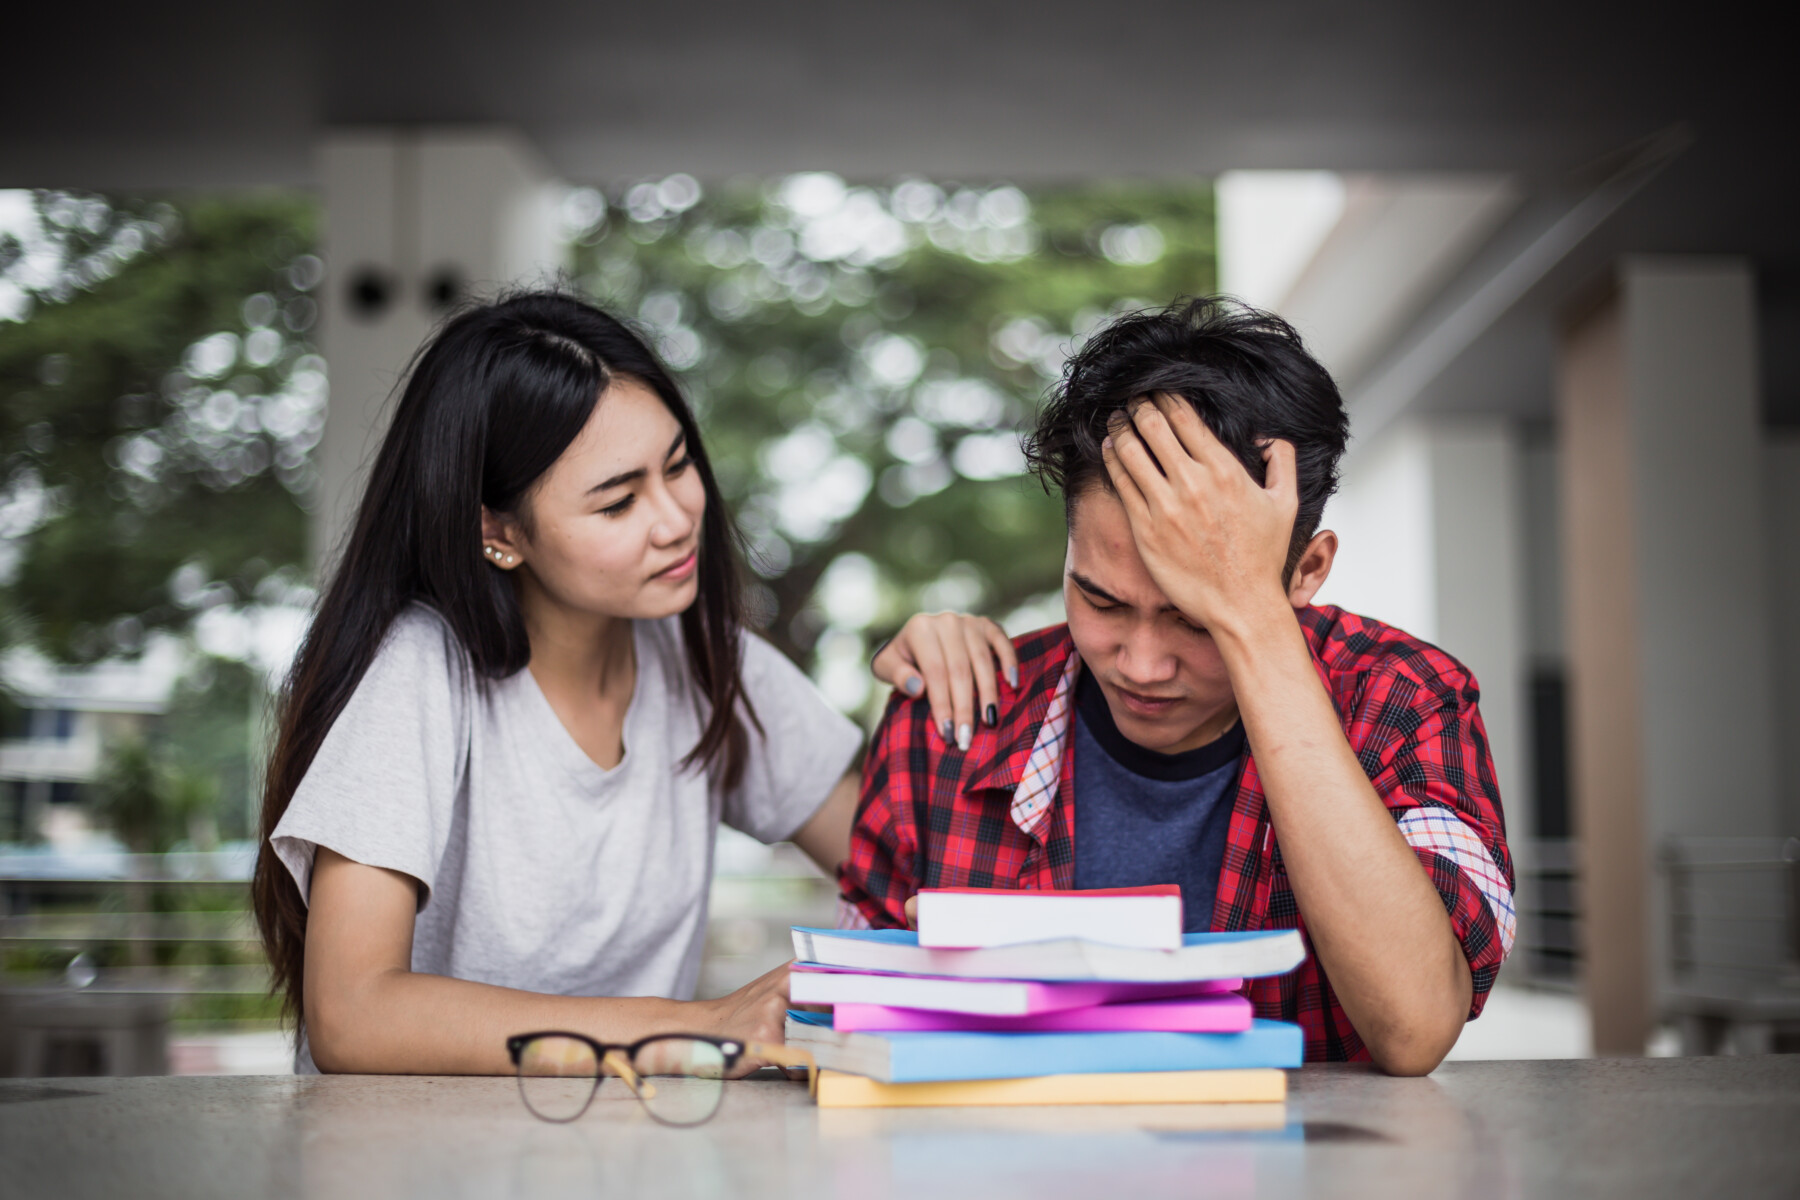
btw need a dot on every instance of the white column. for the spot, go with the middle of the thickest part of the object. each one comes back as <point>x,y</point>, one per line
<point>415,221</point>
<point>1696,429</point>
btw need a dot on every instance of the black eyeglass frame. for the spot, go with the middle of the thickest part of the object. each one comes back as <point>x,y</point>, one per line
<point>731,1049</point>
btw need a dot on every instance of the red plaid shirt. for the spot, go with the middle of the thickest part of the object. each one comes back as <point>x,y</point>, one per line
<point>934,816</point>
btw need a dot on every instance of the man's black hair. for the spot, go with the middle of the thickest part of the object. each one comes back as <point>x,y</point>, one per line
<point>1246,373</point>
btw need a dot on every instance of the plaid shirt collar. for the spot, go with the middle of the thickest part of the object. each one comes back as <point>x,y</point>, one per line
<point>1041,775</point>
<point>1033,731</point>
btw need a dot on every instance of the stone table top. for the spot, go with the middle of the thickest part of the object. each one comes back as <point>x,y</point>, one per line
<point>1620,1127</point>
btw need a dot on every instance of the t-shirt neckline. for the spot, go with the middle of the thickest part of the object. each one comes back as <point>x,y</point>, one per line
<point>1096,716</point>
<point>559,741</point>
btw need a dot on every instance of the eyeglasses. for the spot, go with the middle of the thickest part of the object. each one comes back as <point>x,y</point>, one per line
<point>678,1077</point>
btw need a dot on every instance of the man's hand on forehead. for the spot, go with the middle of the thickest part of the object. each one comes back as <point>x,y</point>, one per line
<point>1213,539</point>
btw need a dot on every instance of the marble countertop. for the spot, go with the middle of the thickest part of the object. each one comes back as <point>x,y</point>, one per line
<point>1622,1127</point>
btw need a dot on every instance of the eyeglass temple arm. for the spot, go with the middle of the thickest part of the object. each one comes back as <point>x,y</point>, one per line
<point>787,1056</point>
<point>617,1060</point>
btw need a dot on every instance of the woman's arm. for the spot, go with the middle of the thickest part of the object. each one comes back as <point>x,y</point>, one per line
<point>826,835</point>
<point>367,1011</point>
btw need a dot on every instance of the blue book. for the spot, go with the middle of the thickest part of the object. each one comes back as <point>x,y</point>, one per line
<point>937,1057</point>
<point>1202,956</point>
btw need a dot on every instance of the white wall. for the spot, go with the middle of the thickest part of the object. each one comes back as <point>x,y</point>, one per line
<point>1429,519</point>
<point>1481,589</point>
<point>1387,550</point>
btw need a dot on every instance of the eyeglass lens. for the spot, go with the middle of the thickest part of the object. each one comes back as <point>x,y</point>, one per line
<point>679,1080</point>
<point>557,1077</point>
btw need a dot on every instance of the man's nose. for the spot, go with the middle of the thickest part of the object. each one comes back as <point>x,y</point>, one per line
<point>1143,659</point>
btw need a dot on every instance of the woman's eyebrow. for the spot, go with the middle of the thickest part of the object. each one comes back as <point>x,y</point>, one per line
<point>632,476</point>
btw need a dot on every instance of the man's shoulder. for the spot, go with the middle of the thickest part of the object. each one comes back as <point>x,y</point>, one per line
<point>905,728</point>
<point>1042,652</point>
<point>1352,648</point>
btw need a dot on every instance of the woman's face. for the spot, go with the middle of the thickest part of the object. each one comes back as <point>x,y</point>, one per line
<point>614,525</point>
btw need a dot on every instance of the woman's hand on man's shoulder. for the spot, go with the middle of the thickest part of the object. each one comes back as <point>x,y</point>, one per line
<point>955,660</point>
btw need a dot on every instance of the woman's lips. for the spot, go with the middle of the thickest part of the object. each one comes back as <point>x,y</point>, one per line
<point>678,571</point>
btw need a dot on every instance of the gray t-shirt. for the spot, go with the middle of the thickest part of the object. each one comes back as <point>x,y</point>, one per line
<point>542,871</point>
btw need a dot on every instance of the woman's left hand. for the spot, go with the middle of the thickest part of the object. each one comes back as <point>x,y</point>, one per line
<point>955,660</point>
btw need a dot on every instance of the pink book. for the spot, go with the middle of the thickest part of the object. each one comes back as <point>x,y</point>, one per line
<point>812,984</point>
<point>1203,1014</point>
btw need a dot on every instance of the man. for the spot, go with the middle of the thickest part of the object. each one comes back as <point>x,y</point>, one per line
<point>1199,721</point>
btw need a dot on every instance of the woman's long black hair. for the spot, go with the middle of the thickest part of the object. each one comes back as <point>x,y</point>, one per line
<point>488,405</point>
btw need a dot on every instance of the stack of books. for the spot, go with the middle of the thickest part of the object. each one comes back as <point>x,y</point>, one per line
<point>1009,997</point>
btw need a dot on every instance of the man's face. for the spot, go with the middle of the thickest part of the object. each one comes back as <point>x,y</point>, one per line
<point>1163,679</point>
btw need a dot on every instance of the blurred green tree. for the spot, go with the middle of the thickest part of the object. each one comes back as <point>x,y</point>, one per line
<point>149,802</point>
<point>160,400</point>
<point>864,358</point>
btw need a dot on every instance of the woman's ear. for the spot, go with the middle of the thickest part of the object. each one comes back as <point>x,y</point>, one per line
<point>1313,568</point>
<point>502,541</point>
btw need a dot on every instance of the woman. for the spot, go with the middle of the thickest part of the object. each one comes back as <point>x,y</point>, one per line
<point>524,705</point>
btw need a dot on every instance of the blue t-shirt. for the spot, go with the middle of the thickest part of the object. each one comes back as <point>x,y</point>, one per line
<point>1145,818</point>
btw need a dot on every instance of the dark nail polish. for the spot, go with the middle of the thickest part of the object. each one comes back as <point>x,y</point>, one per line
<point>948,730</point>
<point>993,716</point>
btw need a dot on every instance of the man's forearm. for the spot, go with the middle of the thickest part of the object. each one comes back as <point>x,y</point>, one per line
<point>1374,917</point>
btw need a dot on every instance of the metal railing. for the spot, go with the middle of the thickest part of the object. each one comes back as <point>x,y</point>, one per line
<point>99,912</point>
<point>1550,911</point>
<point>1734,911</point>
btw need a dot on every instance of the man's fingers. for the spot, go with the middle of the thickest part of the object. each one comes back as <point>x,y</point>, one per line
<point>1153,427</point>
<point>1186,424</point>
<point>1197,437</point>
<point>1128,465</point>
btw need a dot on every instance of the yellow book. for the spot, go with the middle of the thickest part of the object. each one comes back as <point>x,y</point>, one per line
<point>1263,1084</point>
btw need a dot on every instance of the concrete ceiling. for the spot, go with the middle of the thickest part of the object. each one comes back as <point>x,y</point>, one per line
<point>130,97</point>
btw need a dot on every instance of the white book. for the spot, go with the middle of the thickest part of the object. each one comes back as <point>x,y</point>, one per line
<point>1202,956</point>
<point>963,918</point>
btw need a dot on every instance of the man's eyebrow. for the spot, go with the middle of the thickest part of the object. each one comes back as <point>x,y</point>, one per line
<point>1099,593</point>
<point>1095,590</point>
<point>633,476</point>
